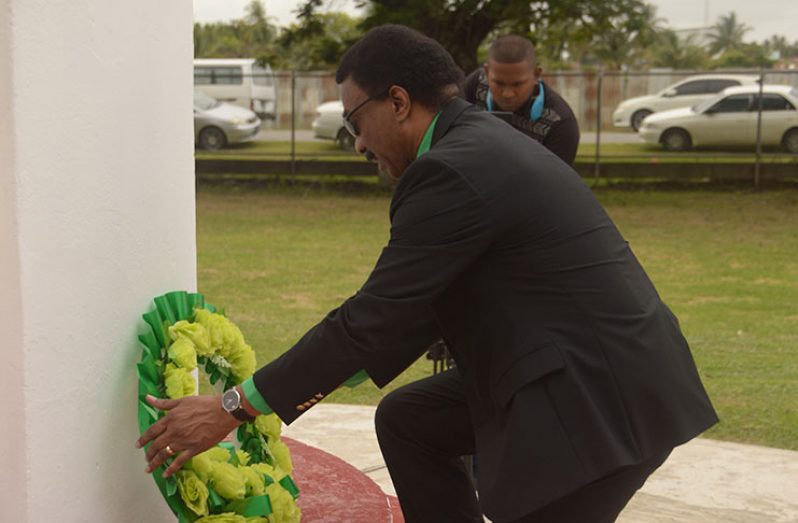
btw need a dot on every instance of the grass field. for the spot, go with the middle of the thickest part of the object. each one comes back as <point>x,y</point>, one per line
<point>726,262</point>
<point>609,151</point>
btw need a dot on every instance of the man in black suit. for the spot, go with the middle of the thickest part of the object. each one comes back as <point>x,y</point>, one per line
<point>573,381</point>
<point>509,84</point>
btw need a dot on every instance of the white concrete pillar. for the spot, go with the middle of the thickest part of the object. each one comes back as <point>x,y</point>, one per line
<point>96,218</point>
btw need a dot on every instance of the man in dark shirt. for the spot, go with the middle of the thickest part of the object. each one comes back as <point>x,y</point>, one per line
<point>510,83</point>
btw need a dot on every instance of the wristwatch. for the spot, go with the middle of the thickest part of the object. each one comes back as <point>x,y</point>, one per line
<point>231,402</point>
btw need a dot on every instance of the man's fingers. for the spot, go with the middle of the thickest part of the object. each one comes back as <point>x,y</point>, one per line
<point>178,462</point>
<point>159,453</point>
<point>158,446</point>
<point>155,430</point>
<point>162,404</point>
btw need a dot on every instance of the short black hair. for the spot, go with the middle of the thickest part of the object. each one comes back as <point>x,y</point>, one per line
<point>511,49</point>
<point>397,55</point>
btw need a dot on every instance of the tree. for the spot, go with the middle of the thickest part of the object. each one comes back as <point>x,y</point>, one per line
<point>675,53</point>
<point>461,26</point>
<point>319,47</point>
<point>251,36</point>
<point>623,39</point>
<point>727,34</point>
<point>779,44</point>
<point>743,56</point>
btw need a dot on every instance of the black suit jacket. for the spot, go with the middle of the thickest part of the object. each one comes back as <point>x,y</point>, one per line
<point>572,364</point>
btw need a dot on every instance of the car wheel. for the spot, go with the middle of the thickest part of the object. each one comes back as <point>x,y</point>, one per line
<point>212,138</point>
<point>676,140</point>
<point>345,140</point>
<point>790,141</point>
<point>637,118</point>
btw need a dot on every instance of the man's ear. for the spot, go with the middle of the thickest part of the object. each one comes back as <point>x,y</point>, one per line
<point>486,68</point>
<point>400,102</point>
<point>538,72</point>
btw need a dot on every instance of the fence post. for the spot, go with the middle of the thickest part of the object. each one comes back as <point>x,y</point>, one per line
<point>293,124</point>
<point>597,165</point>
<point>759,128</point>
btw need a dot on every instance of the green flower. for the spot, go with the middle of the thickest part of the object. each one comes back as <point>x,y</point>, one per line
<point>265,469</point>
<point>255,484</point>
<point>195,333</point>
<point>282,456</point>
<point>227,517</point>
<point>242,362</point>
<point>258,519</point>
<point>179,382</point>
<point>269,425</point>
<point>227,481</point>
<point>284,509</point>
<point>243,457</point>
<point>201,465</point>
<point>225,336</point>
<point>219,454</point>
<point>182,353</point>
<point>193,491</point>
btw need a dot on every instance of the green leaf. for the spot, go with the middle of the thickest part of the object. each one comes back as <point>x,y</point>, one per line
<point>252,506</point>
<point>155,321</point>
<point>180,304</point>
<point>165,309</point>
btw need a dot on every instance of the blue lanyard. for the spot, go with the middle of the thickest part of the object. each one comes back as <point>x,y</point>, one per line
<point>537,106</point>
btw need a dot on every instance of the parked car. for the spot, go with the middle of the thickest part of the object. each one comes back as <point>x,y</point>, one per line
<point>238,81</point>
<point>217,124</point>
<point>329,124</point>
<point>687,93</point>
<point>729,119</point>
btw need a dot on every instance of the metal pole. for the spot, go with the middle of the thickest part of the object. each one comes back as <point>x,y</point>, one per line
<point>597,165</point>
<point>293,124</point>
<point>759,128</point>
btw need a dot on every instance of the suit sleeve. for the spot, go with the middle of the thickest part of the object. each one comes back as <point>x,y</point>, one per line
<point>438,228</point>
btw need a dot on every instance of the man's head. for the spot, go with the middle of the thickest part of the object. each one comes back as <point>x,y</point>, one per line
<point>393,81</point>
<point>512,71</point>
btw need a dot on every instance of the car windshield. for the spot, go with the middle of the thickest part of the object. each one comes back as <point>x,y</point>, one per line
<point>204,102</point>
<point>706,104</point>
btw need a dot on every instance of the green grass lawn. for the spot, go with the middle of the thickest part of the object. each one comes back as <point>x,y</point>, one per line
<point>587,151</point>
<point>725,261</point>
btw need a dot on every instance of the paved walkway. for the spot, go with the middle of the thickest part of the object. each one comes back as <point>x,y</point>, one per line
<point>704,481</point>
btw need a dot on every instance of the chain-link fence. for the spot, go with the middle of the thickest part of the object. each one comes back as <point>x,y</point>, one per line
<point>306,123</point>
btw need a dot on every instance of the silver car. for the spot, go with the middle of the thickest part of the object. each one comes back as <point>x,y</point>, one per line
<point>686,93</point>
<point>729,119</point>
<point>218,124</point>
<point>329,124</point>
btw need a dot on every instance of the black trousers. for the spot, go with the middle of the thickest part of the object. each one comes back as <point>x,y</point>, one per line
<point>424,428</point>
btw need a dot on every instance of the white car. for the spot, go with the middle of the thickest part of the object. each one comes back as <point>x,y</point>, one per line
<point>729,119</point>
<point>329,124</point>
<point>218,124</point>
<point>687,93</point>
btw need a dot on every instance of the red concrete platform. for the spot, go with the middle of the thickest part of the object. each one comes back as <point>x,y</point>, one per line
<point>333,491</point>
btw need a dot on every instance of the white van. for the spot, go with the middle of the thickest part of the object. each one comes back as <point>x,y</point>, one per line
<point>239,81</point>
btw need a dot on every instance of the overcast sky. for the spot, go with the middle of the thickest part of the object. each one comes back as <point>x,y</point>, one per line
<point>765,17</point>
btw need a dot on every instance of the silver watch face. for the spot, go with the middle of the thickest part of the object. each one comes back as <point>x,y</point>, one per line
<point>230,400</point>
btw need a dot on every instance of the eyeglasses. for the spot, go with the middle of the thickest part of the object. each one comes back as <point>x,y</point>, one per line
<point>349,124</point>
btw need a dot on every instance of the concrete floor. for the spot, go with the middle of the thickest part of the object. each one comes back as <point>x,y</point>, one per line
<point>703,481</point>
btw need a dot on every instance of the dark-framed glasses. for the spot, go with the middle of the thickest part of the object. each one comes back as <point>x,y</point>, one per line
<point>349,124</point>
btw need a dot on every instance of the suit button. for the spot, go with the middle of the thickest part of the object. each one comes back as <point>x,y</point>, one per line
<point>300,408</point>
<point>319,395</point>
<point>307,404</point>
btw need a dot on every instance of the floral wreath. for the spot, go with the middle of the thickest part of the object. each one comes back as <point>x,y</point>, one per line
<point>245,483</point>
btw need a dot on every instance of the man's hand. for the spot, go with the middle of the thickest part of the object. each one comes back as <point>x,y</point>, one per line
<point>192,425</point>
